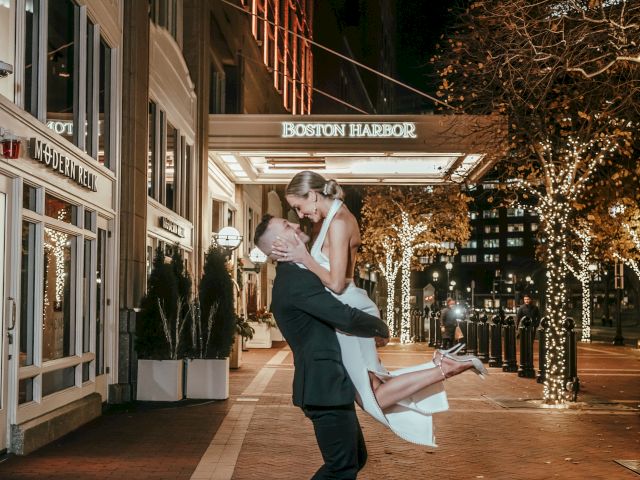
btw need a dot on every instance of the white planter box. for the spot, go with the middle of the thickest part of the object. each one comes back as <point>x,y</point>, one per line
<point>160,380</point>
<point>261,337</point>
<point>276,336</point>
<point>208,378</point>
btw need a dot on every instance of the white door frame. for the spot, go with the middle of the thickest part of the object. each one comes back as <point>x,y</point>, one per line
<point>8,311</point>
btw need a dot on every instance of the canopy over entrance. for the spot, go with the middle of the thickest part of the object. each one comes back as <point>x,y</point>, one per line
<point>381,149</point>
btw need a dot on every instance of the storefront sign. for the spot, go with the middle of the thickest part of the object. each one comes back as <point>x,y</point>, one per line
<point>172,227</point>
<point>62,164</point>
<point>349,130</point>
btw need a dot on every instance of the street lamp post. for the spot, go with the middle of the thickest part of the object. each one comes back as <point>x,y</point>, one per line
<point>452,287</point>
<point>449,267</point>
<point>435,275</point>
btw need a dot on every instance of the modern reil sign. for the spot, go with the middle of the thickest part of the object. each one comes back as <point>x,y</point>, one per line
<point>349,130</point>
<point>60,163</point>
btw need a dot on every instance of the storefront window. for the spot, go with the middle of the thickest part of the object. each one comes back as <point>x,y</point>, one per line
<point>27,290</point>
<point>104,106</point>
<point>151,152</point>
<point>87,282</point>
<point>59,209</point>
<point>32,13</point>
<point>61,71</point>
<point>29,197</point>
<point>25,391</point>
<point>100,298</point>
<point>58,329</point>
<point>57,380</point>
<point>171,163</point>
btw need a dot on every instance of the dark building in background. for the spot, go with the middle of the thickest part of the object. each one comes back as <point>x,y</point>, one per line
<point>497,265</point>
<point>366,32</point>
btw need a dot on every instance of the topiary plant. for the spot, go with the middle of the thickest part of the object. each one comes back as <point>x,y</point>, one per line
<point>164,310</point>
<point>216,318</point>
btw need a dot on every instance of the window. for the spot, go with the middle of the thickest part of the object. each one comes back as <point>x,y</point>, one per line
<point>58,330</point>
<point>468,259</point>
<point>491,243</point>
<point>492,229</point>
<point>27,293</point>
<point>61,294</point>
<point>470,244</point>
<point>167,14</point>
<point>515,242</point>
<point>515,212</point>
<point>172,157</point>
<point>169,168</point>
<point>491,257</point>
<point>473,215</point>
<point>534,227</point>
<point>68,87</point>
<point>515,227</point>
<point>490,213</point>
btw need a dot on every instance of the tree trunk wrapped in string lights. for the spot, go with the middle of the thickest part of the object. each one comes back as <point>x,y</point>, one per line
<point>389,270</point>
<point>567,170</point>
<point>582,273</point>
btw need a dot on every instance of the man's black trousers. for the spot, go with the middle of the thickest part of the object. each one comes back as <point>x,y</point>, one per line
<point>340,440</point>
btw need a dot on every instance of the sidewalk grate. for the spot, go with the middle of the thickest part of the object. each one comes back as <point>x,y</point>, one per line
<point>633,465</point>
<point>538,403</point>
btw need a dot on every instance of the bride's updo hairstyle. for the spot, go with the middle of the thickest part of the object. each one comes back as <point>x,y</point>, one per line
<point>308,181</point>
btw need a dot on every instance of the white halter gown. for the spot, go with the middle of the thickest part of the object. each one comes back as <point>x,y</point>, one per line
<point>410,419</point>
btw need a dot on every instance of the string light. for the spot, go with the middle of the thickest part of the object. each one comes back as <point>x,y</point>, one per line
<point>390,272</point>
<point>566,173</point>
<point>407,234</point>
<point>583,274</point>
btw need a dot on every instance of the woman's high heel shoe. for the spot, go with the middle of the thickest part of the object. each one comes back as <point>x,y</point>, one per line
<point>451,351</point>
<point>478,367</point>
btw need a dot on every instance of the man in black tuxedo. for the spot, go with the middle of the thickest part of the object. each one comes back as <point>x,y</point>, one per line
<point>308,315</point>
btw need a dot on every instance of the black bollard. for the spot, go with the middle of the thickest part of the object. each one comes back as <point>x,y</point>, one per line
<point>462,323</point>
<point>495,333</point>
<point>525,368</point>
<point>433,327</point>
<point>572,381</point>
<point>438,331</point>
<point>510,361</point>
<point>483,338</point>
<point>542,349</point>
<point>472,334</point>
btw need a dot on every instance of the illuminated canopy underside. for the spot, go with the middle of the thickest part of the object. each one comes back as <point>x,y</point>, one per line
<point>422,149</point>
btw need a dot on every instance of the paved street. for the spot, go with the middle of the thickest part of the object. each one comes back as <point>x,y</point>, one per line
<point>491,431</point>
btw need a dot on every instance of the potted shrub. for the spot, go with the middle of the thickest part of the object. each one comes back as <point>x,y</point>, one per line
<point>160,332</point>
<point>213,329</point>
<point>262,322</point>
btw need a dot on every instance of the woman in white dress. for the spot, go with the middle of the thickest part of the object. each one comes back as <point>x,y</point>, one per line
<point>405,399</point>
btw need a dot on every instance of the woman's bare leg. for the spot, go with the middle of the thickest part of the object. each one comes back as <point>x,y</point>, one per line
<point>398,388</point>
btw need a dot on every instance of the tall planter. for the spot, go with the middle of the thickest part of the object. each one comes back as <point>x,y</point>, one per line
<point>213,331</point>
<point>208,378</point>
<point>261,337</point>
<point>160,380</point>
<point>160,333</point>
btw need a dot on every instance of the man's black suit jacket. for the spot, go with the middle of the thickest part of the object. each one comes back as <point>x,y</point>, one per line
<point>307,315</point>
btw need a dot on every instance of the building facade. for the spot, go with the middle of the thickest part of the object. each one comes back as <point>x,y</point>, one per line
<point>60,117</point>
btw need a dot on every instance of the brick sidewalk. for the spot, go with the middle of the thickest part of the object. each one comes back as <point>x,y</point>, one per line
<point>491,431</point>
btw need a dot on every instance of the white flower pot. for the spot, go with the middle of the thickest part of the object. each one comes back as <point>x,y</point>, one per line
<point>208,378</point>
<point>261,337</point>
<point>276,336</point>
<point>160,380</point>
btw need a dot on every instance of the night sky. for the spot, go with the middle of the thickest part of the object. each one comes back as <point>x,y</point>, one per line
<point>419,27</point>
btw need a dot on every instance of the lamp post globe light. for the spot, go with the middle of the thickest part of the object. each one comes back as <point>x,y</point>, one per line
<point>435,276</point>
<point>449,267</point>
<point>258,258</point>
<point>228,238</point>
